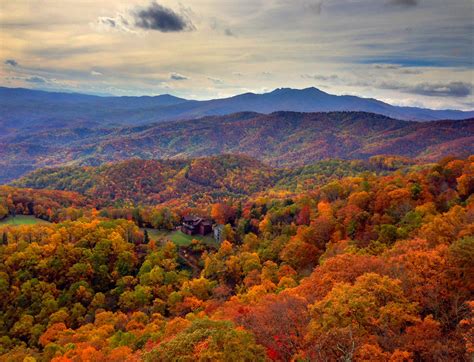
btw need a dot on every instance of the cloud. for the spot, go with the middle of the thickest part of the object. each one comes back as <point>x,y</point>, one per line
<point>229,32</point>
<point>406,3</point>
<point>96,73</point>
<point>452,89</point>
<point>157,17</point>
<point>108,21</point>
<point>387,66</point>
<point>332,77</point>
<point>314,6</point>
<point>215,80</point>
<point>152,17</point>
<point>119,22</point>
<point>11,62</point>
<point>177,76</point>
<point>410,71</point>
<point>36,79</point>
<point>397,67</point>
<point>218,25</point>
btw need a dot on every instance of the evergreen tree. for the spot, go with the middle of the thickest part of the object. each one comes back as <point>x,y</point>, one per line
<point>137,217</point>
<point>146,238</point>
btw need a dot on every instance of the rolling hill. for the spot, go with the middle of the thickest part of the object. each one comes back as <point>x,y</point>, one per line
<point>156,181</point>
<point>279,139</point>
<point>199,180</point>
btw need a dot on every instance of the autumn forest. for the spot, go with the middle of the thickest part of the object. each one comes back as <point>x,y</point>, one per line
<point>339,260</point>
<point>236,181</point>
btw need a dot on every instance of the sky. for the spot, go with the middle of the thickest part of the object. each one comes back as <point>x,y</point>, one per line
<point>404,52</point>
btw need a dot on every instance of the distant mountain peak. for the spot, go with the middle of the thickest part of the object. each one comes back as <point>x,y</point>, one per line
<point>296,91</point>
<point>58,109</point>
<point>312,89</point>
<point>281,90</point>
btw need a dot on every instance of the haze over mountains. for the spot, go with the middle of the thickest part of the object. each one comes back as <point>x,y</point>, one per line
<point>280,139</point>
<point>25,109</point>
<point>39,129</point>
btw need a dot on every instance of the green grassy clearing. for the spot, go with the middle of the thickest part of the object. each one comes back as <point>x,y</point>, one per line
<point>22,220</point>
<point>182,239</point>
<point>155,234</point>
<point>179,238</point>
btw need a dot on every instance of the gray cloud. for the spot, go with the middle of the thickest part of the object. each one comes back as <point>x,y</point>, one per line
<point>11,62</point>
<point>229,32</point>
<point>410,71</point>
<point>118,22</point>
<point>216,80</point>
<point>107,21</point>
<point>332,77</point>
<point>36,79</point>
<point>218,25</point>
<point>387,66</point>
<point>314,6</point>
<point>177,76</point>
<point>157,17</point>
<point>398,68</point>
<point>452,89</point>
<point>407,3</point>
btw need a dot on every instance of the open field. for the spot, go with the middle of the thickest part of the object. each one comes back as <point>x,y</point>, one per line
<point>179,238</point>
<point>22,220</point>
<point>155,234</point>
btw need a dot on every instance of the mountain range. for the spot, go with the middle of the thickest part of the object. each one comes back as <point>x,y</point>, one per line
<point>25,109</point>
<point>280,139</point>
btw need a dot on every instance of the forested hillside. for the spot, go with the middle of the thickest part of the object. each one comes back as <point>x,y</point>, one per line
<point>197,181</point>
<point>155,182</point>
<point>279,139</point>
<point>372,266</point>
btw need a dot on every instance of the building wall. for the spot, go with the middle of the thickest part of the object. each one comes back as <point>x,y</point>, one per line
<point>218,233</point>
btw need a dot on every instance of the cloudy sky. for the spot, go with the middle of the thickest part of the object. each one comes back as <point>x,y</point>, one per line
<point>405,52</point>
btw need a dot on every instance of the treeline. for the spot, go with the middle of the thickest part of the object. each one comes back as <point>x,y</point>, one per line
<point>51,205</point>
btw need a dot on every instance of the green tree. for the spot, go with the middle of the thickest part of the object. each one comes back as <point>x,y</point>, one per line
<point>146,237</point>
<point>208,340</point>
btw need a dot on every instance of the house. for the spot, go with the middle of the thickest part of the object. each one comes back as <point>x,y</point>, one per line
<point>193,225</point>
<point>218,233</point>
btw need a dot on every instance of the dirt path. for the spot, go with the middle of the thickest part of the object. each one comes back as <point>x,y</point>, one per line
<point>191,261</point>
